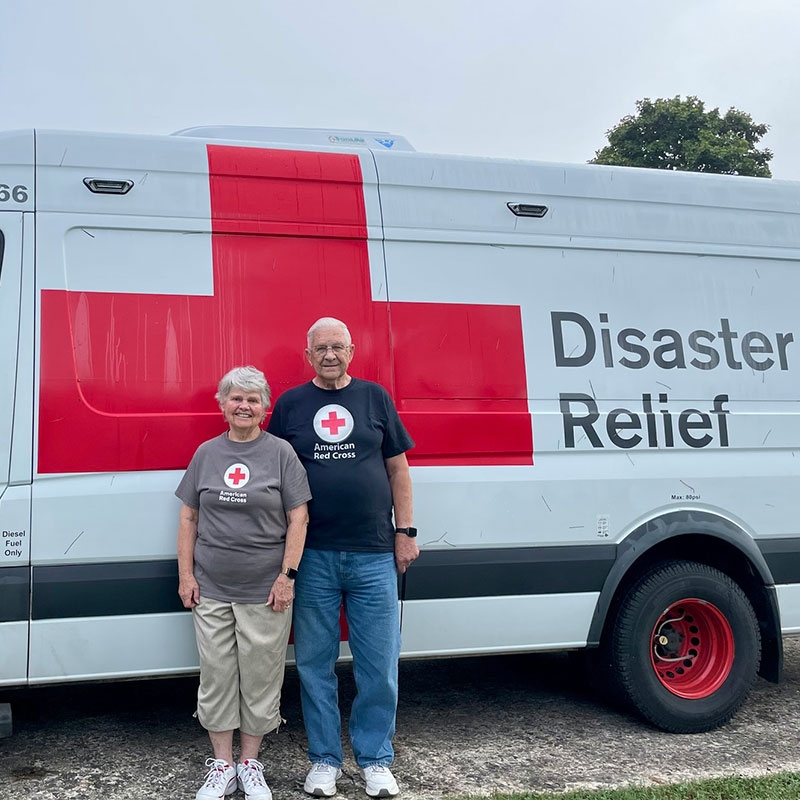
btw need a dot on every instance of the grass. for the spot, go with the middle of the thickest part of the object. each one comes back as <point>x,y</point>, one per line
<point>782,786</point>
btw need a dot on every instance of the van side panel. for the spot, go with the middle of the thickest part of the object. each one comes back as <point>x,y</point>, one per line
<point>284,253</point>
<point>566,379</point>
<point>147,387</point>
<point>134,336</point>
<point>130,361</point>
<point>15,502</point>
<point>16,399</point>
<point>102,538</point>
<point>662,365</point>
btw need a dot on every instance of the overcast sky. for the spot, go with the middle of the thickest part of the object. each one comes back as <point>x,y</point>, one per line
<point>535,79</point>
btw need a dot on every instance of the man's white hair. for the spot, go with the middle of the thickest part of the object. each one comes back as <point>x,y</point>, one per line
<point>328,322</point>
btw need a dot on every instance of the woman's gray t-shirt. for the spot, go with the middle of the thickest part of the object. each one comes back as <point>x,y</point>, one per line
<point>242,491</point>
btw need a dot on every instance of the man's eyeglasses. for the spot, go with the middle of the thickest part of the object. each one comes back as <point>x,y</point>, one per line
<point>338,349</point>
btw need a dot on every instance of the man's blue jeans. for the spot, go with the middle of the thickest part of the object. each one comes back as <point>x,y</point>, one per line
<point>366,583</point>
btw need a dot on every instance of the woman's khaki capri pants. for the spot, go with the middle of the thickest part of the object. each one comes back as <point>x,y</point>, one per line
<point>242,650</point>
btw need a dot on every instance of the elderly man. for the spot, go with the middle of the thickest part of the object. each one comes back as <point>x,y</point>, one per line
<point>352,443</point>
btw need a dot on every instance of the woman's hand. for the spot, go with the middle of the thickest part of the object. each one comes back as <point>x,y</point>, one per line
<point>281,594</point>
<point>189,592</point>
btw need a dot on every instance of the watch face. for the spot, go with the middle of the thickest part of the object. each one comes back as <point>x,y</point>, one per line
<point>290,573</point>
<point>412,532</point>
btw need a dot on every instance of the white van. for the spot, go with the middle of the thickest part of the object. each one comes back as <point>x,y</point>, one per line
<point>599,366</point>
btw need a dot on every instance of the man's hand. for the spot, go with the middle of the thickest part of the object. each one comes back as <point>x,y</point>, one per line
<point>405,551</point>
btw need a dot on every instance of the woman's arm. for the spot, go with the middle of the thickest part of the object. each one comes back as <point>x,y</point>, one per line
<point>188,589</point>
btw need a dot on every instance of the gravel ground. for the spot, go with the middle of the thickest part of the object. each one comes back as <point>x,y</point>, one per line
<point>465,726</point>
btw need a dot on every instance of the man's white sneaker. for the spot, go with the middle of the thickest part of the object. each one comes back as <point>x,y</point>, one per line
<point>380,781</point>
<point>250,774</point>
<point>220,780</point>
<point>321,780</point>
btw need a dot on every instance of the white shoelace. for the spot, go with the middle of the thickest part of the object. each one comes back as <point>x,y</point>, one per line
<point>253,773</point>
<point>215,778</point>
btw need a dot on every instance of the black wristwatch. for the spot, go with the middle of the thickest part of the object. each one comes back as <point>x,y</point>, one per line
<point>411,532</point>
<point>290,573</point>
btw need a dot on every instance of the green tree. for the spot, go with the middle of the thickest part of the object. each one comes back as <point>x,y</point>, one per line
<point>680,134</point>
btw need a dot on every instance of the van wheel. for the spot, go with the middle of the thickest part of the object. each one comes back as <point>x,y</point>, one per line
<point>686,647</point>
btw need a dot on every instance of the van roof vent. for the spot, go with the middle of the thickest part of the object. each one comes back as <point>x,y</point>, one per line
<point>374,140</point>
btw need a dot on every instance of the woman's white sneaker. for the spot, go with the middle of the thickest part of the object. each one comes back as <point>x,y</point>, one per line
<point>321,780</point>
<point>220,780</point>
<point>250,774</point>
<point>380,781</point>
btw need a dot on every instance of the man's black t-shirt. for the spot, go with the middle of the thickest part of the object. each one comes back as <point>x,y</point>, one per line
<point>342,437</point>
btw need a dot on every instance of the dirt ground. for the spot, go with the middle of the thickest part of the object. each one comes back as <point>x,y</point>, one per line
<point>465,726</point>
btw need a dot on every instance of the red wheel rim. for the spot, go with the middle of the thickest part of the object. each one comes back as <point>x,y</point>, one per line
<point>692,648</point>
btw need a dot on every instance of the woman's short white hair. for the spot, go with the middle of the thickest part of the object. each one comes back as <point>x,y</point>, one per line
<point>328,322</point>
<point>248,378</point>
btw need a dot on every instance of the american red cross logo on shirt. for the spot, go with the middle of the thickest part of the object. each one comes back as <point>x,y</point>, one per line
<point>333,423</point>
<point>236,476</point>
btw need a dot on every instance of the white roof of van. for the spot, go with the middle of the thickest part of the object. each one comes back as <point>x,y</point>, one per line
<point>378,140</point>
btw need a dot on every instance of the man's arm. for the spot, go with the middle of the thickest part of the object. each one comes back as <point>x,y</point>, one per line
<point>405,548</point>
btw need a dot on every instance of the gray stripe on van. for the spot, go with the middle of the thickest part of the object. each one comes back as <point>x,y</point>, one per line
<point>99,590</point>
<point>14,593</point>
<point>151,587</point>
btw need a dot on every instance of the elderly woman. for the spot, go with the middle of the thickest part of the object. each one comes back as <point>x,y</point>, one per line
<point>240,538</point>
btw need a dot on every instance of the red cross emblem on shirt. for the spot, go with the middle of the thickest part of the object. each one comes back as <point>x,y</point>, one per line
<point>236,476</point>
<point>333,423</point>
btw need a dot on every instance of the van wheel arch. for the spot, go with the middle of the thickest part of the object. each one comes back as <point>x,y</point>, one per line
<point>706,538</point>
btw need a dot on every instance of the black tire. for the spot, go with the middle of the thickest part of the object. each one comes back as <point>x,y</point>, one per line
<point>685,647</point>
